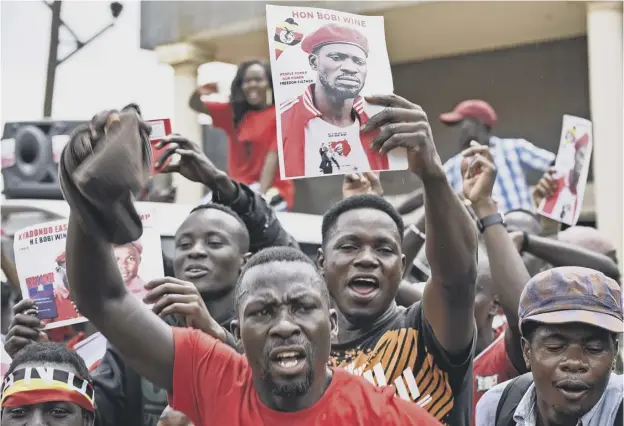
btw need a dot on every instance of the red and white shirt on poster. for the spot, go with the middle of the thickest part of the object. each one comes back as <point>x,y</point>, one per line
<point>563,202</point>
<point>299,118</point>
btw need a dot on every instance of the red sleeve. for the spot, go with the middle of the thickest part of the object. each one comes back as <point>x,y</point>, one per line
<point>203,370</point>
<point>221,114</point>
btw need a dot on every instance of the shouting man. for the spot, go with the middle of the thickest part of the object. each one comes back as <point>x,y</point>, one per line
<point>426,350</point>
<point>331,110</point>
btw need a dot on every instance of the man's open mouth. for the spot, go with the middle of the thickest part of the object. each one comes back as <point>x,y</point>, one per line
<point>573,389</point>
<point>288,360</point>
<point>195,271</point>
<point>364,286</point>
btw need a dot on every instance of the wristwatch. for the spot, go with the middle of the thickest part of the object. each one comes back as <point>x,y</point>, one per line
<point>490,220</point>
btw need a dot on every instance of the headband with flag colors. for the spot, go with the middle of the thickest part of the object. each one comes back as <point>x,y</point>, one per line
<point>34,385</point>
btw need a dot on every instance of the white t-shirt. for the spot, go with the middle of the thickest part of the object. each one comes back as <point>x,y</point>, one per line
<point>341,145</point>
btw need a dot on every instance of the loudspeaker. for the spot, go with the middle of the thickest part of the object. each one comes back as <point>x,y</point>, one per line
<point>30,156</point>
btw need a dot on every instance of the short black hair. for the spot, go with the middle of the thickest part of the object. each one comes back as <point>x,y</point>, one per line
<point>227,210</point>
<point>50,352</point>
<point>276,254</point>
<point>365,201</point>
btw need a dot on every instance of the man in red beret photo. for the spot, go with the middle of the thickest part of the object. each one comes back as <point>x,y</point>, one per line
<point>331,111</point>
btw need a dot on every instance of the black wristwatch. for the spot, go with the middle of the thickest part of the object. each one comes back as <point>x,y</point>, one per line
<point>490,220</point>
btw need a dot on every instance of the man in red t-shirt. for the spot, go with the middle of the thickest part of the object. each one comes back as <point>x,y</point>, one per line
<point>284,324</point>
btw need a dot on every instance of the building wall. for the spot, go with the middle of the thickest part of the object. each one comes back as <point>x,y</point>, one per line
<point>531,87</point>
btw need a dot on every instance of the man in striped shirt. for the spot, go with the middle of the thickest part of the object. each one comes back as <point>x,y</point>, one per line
<point>474,120</point>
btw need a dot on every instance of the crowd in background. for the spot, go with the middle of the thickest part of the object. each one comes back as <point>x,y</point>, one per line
<point>518,321</point>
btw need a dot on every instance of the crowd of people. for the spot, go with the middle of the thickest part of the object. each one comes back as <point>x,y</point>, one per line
<point>518,324</point>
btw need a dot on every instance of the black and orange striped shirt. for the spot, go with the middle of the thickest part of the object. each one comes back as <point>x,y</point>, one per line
<point>402,351</point>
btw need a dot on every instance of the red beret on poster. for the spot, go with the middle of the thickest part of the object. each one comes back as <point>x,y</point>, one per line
<point>581,142</point>
<point>331,34</point>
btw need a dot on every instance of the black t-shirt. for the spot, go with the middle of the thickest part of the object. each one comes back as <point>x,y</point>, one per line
<point>402,351</point>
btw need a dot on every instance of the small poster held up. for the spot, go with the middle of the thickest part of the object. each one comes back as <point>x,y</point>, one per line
<point>323,64</point>
<point>40,260</point>
<point>572,165</point>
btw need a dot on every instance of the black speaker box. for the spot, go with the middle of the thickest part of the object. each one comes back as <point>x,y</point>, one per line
<point>30,155</point>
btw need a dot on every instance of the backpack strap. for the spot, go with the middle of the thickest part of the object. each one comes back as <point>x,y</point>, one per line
<point>510,398</point>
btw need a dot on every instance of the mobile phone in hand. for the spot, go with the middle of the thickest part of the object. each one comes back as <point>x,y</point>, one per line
<point>160,128</point>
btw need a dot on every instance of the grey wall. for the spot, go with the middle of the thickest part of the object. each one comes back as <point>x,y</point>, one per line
<point>164,22</point>
<point>530,87</point>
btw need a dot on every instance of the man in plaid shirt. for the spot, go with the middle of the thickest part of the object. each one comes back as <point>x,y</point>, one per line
<point>474,119</point>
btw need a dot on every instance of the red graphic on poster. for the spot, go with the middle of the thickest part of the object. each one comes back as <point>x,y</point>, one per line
<point>341,147</point>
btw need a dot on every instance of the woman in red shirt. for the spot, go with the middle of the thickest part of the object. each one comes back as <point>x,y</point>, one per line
<point>248,119</point>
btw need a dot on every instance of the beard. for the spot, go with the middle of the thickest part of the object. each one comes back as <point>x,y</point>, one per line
<point>339,92</point>
<point>298,386</point>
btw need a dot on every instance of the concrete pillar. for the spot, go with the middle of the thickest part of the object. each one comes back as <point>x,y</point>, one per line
<point>185,59</point>
<point>604,38</point>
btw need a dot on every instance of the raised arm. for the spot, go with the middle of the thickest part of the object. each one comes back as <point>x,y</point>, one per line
<point>451,247</point>
<point>560,253</point>
<point>144,341</point>
<point>451,241</point>
<point>265,229</point>
<point>509,274</point>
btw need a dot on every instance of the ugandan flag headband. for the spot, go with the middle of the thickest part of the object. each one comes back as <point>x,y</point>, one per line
<point>34,385</point>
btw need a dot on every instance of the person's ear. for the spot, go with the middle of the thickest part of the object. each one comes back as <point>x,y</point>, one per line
<point>333,323</point>
<point>313,61</point>
<point>526,352</point>
<point>235,329</point>
<point>320,261</point>
<point>244,259</point>
<point>403,264</point>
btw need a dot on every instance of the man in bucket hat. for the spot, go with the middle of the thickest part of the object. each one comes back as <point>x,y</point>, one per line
<point>569,320</point>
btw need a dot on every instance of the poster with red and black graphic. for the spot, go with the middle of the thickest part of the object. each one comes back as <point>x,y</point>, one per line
<point>572,167</point>
<point>40,259</point>
<point>324,63</point>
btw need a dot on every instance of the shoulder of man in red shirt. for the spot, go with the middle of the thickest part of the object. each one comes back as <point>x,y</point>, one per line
<point>383,406</point>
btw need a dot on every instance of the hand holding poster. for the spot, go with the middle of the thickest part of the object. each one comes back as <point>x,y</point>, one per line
<point>41,266</point>
<point>323,63</point>
<point>572,165</point>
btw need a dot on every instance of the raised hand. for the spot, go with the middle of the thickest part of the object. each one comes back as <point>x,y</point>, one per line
<point>479,173</point>
<point>25,328</point>
<point>193,165</point>
<point>172,296</point>
<point>403,124</point>
<point>361,183</point>
<point>545,187</point>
